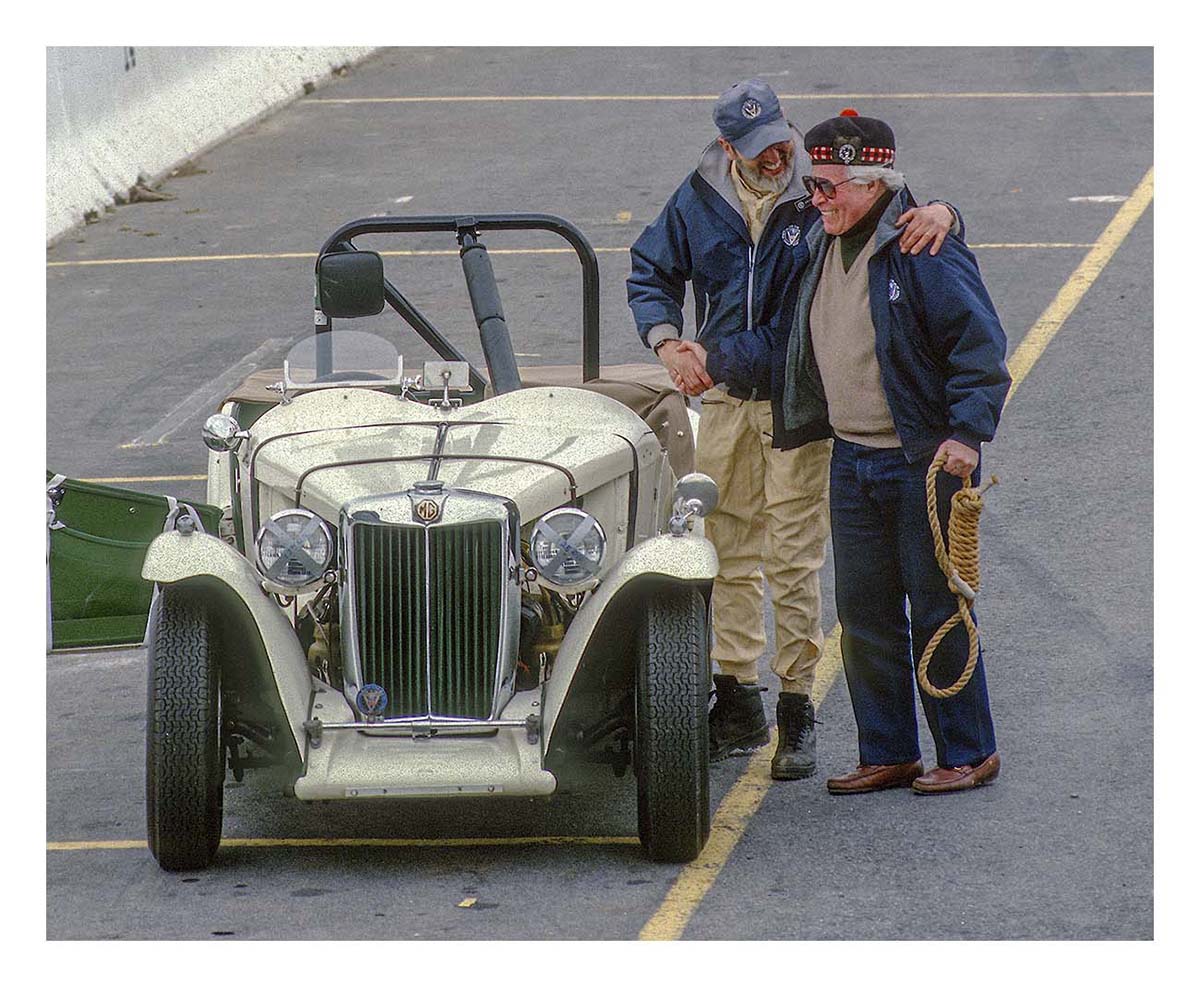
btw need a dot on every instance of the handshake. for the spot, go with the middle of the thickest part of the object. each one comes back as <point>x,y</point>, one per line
<point>685,362</point>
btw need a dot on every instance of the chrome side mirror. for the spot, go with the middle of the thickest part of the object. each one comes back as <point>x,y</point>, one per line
<point>222,433</point>
<point>696,495</point>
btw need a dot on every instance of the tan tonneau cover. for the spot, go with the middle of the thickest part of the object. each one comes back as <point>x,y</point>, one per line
<point>645,388</point>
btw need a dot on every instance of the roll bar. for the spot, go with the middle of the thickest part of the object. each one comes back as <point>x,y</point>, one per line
<point>480,285</point>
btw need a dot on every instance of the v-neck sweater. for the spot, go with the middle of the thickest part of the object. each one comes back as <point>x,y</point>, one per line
<point>843,341</point>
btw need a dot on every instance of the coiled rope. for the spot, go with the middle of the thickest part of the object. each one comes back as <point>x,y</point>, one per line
<point>961,566</point>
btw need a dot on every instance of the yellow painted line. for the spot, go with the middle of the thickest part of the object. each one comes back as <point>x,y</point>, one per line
<point>503,251</point>
<point>1084,276</point>
<point>191,258</point>
<point>143,479</point>
<point>1029,246</point>
<point>732,817</point>
<point>829,667</point>
<point>261,842</point>
<point>112,261</point>
<point>709,97</point>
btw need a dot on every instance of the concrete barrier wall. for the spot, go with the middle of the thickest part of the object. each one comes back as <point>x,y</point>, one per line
<point>113,114</point>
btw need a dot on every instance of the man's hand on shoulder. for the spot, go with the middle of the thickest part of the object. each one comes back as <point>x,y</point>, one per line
<point>927,226</point>
<point>961,460</point>
<point>684,361</point>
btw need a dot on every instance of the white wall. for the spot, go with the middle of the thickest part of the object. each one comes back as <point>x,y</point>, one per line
<point>115,113</point>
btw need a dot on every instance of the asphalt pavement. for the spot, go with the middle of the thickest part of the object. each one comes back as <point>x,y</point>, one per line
<point>151,310</point>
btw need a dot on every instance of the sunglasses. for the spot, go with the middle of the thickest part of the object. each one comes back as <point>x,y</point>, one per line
<point>827,188</point>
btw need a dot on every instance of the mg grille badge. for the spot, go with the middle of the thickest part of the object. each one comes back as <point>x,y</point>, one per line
<point>371,700</point>
<point>427,510</point>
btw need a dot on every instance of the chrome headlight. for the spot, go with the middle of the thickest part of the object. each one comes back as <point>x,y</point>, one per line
<point>567,546</point>
<point>294,548</point>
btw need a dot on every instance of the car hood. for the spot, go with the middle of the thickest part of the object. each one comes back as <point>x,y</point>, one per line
<point>539,447</point>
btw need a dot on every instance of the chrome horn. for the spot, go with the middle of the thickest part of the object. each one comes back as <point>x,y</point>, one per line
<point>696,495</point>
<point>222,433</point>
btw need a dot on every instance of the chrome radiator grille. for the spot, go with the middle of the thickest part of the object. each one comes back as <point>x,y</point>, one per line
<point>428,614</point>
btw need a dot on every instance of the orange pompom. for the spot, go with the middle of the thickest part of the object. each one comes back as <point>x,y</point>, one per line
<point>848,113</point>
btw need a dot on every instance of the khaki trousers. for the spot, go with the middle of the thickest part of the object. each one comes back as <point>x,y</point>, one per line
<point>772,520</point>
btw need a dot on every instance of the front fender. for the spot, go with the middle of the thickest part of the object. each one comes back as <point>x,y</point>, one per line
<point>174,558</point>
<point>688,559</point>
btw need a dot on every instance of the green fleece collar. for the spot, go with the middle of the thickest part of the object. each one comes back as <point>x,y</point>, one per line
<point>859,235</point>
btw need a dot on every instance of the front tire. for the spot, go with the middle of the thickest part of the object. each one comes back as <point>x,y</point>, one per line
<point>185,755</point>
<point>671,737</point>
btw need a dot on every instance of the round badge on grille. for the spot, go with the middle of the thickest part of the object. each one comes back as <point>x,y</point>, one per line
<point>371,699</point>
<point>427,510</point>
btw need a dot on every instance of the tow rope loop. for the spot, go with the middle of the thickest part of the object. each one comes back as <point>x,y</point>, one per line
<point>961,567</point>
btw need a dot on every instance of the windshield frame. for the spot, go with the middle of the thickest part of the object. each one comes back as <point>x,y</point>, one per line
<point>321,350</point>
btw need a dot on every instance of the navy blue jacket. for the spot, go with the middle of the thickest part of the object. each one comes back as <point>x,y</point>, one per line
<point>702,237</point>
<point>938,340</point>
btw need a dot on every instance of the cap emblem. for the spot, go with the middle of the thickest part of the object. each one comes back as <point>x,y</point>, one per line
<point>751,108</point>
<point>846,153</point>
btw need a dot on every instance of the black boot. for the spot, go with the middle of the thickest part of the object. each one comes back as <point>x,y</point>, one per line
<point>736,723</point>
<point>796,752</point>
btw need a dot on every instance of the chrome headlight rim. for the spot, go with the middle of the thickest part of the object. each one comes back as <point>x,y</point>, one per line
<point>314,570</point>
<point>584,525</point>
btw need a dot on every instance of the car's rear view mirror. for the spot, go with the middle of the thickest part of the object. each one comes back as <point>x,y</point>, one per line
<point>350,285</point>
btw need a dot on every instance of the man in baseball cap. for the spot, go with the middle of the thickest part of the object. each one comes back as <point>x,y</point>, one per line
<point>733,229</point>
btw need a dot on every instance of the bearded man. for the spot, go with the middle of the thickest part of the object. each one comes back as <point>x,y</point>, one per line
<point>733,229</point>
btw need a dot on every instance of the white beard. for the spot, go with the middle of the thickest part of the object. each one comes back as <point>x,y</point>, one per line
<point>761,183</point>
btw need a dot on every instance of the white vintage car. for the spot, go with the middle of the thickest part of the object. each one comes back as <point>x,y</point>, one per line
<point>422,588</point>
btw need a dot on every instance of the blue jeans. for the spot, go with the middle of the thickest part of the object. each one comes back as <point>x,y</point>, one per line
<point>883,555</point>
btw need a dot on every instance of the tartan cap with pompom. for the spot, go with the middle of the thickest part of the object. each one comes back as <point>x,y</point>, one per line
<point>849,139</point>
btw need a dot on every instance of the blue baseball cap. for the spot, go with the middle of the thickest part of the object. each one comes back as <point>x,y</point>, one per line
<point>748,116</point>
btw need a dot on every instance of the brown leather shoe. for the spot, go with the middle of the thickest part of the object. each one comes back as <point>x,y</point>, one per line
<point>942,780</point>
<point>874,778</point>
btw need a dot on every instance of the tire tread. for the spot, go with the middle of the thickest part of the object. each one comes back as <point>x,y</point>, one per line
<point>183,796</point>
<point>673,790</point>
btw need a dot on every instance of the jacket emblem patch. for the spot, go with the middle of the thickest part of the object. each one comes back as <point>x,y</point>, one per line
<point>751,108</point>
<point>893,291</point>
<point>791,235</point>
